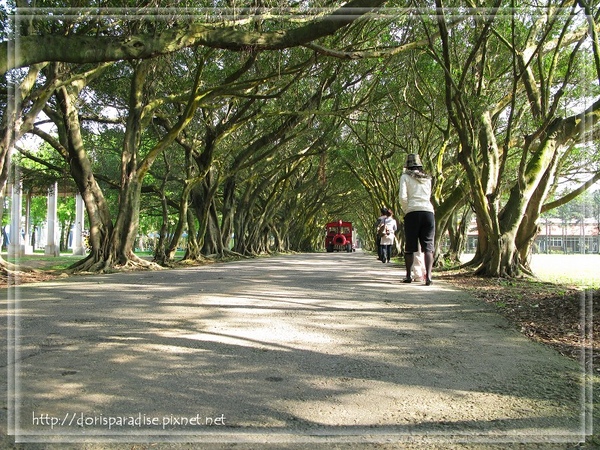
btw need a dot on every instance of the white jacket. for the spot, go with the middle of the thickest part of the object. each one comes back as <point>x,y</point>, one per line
<point>415,193</point>
<point>391,225</point>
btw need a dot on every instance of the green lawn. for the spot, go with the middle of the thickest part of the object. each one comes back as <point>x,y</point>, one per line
<point>40,261</point>
<point>572,270</point>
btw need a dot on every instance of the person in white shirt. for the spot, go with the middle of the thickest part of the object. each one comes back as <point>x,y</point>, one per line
<point>379,220</point>
<point>419,219</point>
<point>387,240</point>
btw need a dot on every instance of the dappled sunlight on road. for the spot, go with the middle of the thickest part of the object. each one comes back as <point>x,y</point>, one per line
<point>298,342</point>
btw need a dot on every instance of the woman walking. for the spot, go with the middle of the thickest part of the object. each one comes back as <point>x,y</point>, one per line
<point>419,220</point>
<point>389,227</point>
<point>378,222</point>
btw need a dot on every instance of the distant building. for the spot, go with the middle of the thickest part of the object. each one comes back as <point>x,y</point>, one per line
<point>574,236</point>
<point>556,236</point>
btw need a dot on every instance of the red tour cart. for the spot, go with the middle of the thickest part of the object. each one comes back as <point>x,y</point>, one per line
<point>338,236</point>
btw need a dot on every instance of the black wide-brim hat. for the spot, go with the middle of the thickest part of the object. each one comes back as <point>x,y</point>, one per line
<point>413,160</point>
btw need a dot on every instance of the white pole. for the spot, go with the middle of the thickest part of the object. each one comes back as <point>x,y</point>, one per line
<point>16,246</point>
<point>78,248</point>
<point>52,219</point>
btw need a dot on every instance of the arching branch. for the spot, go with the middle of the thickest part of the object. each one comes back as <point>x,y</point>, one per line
<point>28,50</point>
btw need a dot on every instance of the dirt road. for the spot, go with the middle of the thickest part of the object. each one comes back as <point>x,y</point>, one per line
<point>293,351</point>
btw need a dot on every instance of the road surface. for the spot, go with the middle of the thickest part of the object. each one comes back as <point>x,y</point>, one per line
<point>296,350</point>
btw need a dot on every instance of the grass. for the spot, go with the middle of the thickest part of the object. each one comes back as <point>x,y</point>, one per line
<point>570,271</point>
<point>45,262</point>
<point>38,260</point>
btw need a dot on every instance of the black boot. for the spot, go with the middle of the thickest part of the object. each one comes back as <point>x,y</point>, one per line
<point>428,267</point>
<point>409,259</point>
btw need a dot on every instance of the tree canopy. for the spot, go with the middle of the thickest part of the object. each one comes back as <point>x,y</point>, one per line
<point>246,129</point>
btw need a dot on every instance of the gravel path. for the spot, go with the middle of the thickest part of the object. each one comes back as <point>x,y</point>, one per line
<point>294,351</point>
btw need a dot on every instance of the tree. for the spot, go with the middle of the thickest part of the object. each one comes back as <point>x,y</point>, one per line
<point>486,119</point>
<point>92,41</point>
<point>224,134</point>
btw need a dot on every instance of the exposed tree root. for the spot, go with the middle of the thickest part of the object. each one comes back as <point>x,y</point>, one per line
<point>526,271</point>
<point>136,263</point>
<point>231,253</point>
<point>95,264</point>
<point>199,259</point>
<point>10,275</point>
<point>202,259</point>
<point>6,267</point>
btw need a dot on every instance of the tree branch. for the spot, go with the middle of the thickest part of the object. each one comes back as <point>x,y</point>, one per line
<point>571,195</point>
<point>28,50</point>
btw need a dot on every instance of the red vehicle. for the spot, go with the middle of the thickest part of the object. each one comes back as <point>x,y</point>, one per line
<point>338,236</point>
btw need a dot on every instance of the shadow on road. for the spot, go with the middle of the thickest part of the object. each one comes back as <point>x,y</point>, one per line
<point>289,347</point>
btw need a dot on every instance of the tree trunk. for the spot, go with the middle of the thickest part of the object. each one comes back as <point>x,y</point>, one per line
<point>117,250</point>
<point>192,252</point>
<point>181,223</point>
<point>241,221</point>
<point>200,209</point>
<point>160,255</point>
<point>457,232</point>
<point>81,170</point>
<point>16,122</point>
<point>529,227</point>
<point>228,212</point>
<point>213,241</point>
<point>444,215</point>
